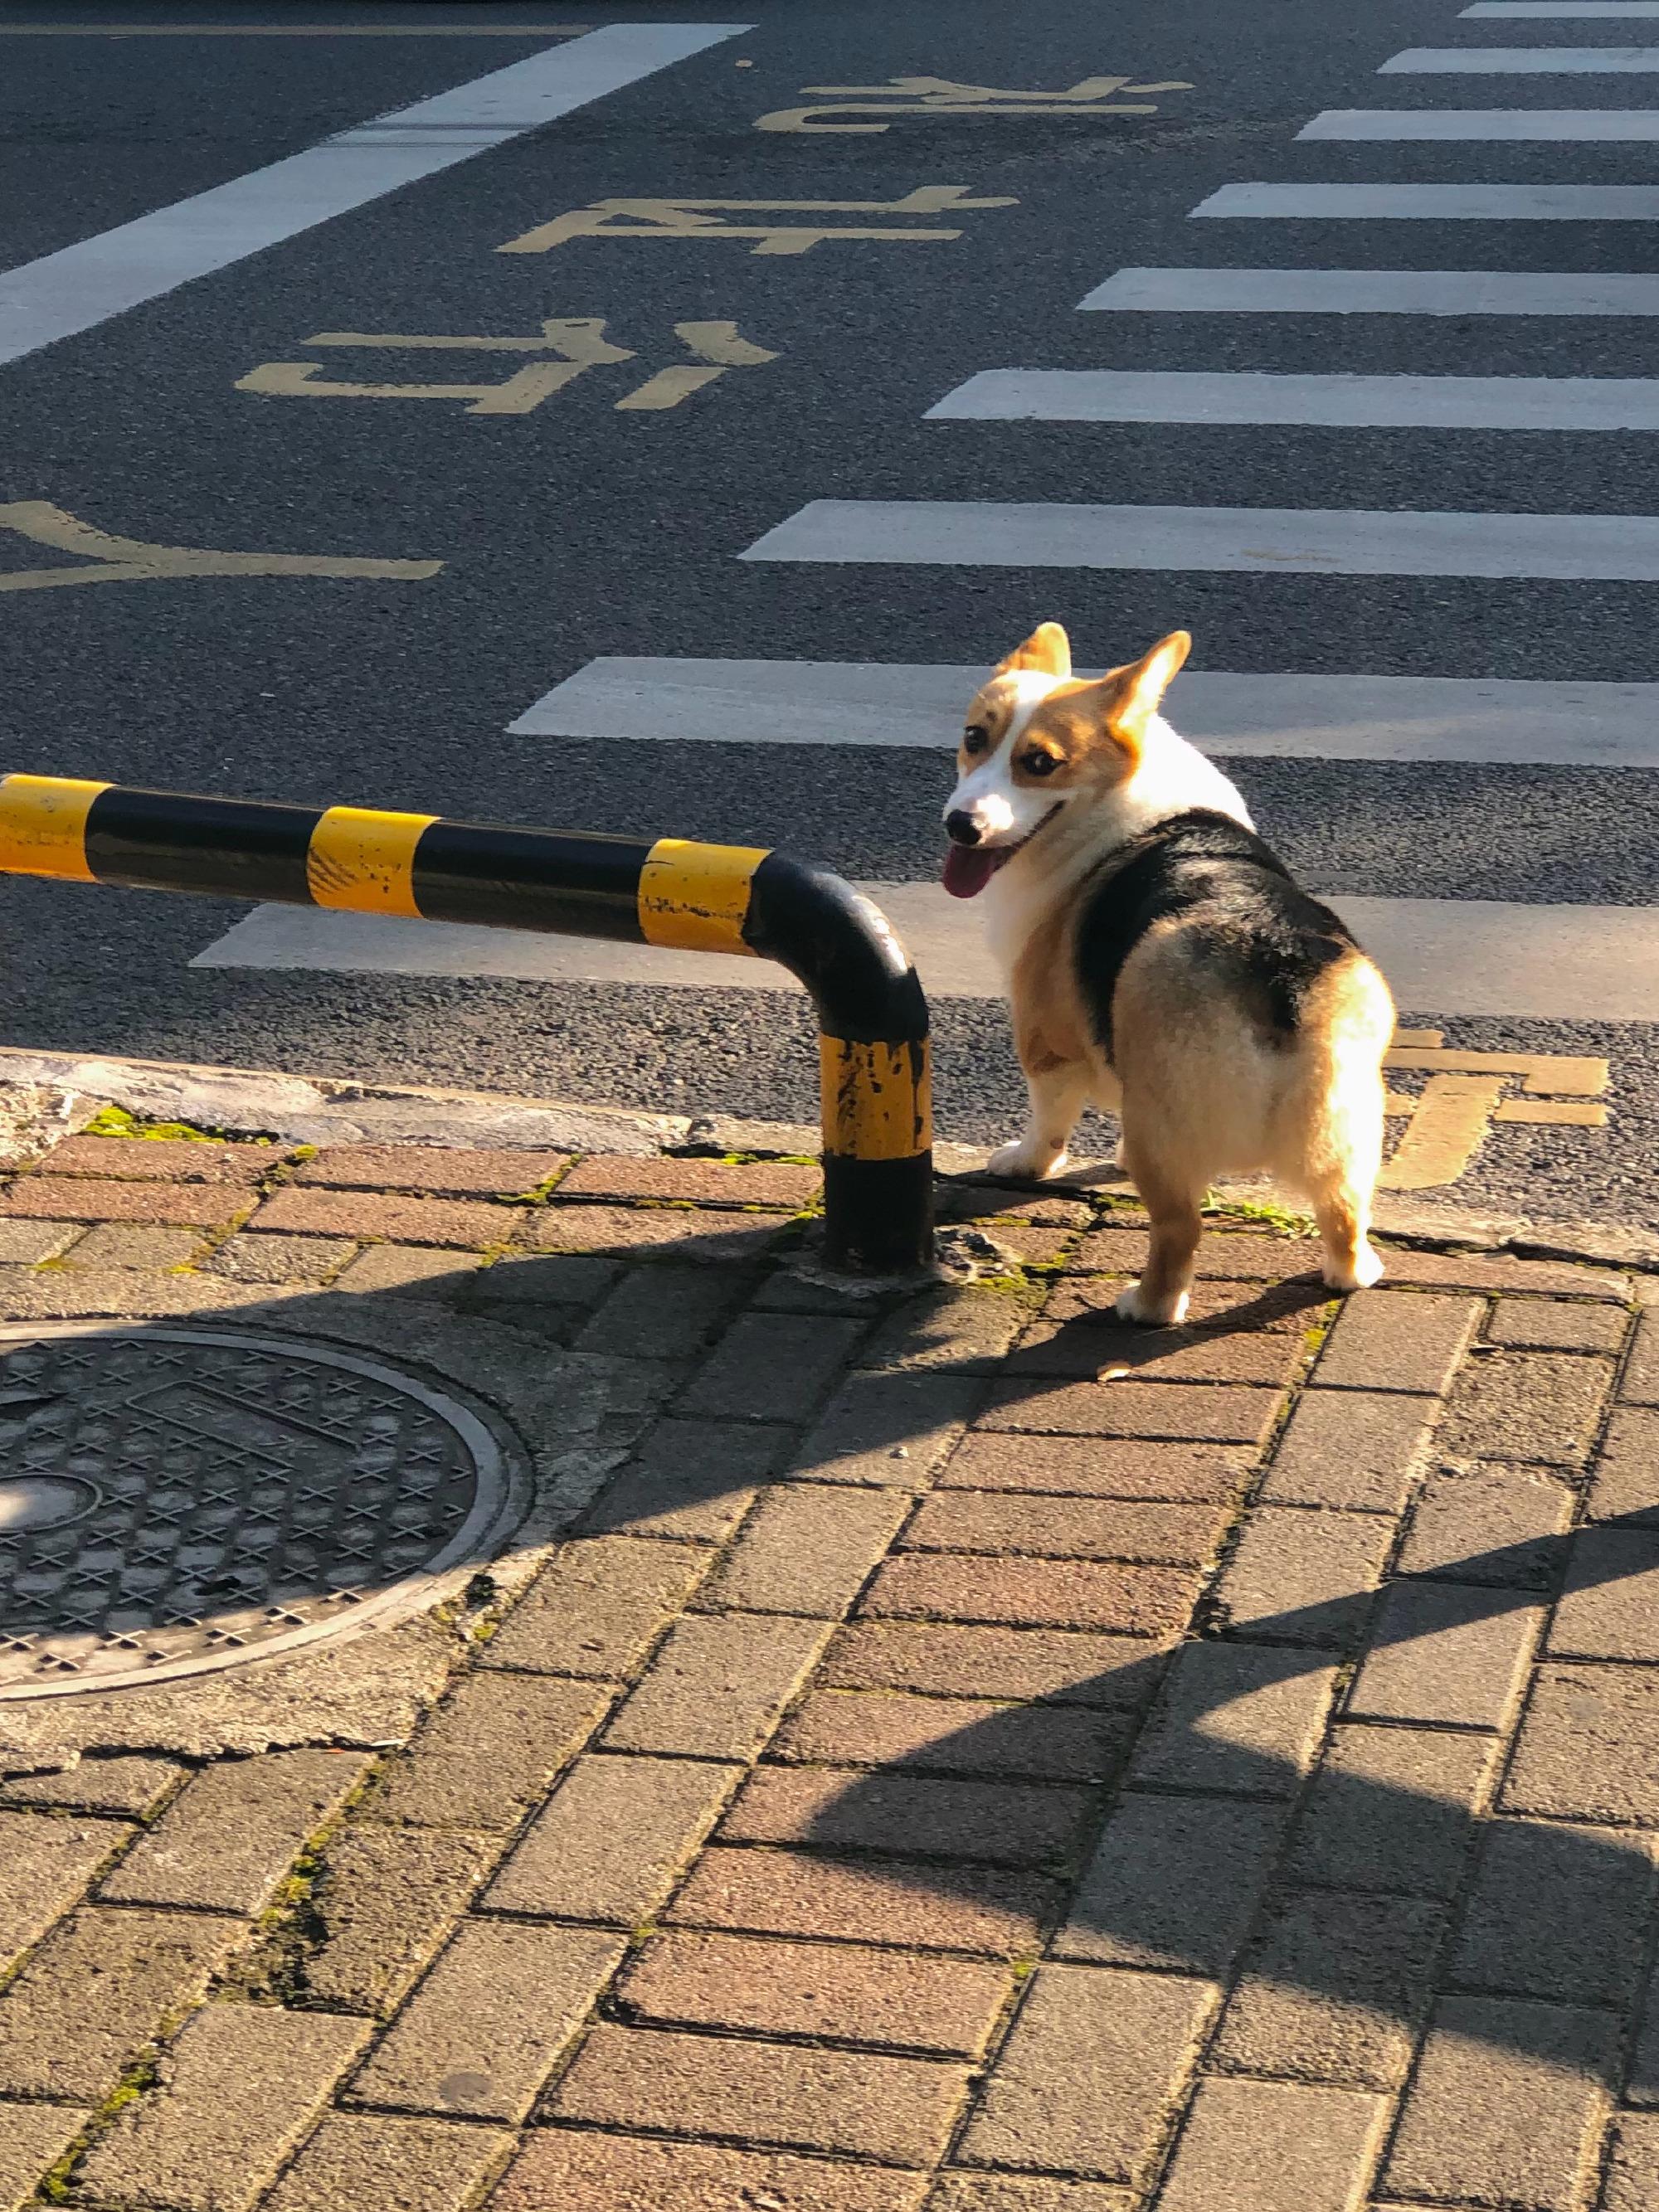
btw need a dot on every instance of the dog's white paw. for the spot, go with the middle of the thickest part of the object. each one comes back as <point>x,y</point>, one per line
<point>1029,1162</point>
<point>1152,1313</point>
<point>1366,1270</point>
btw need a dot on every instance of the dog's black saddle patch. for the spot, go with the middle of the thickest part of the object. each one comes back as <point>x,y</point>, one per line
<point>1241,911</point>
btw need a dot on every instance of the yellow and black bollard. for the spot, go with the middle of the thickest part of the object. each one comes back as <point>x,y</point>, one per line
<point>872,1018</point>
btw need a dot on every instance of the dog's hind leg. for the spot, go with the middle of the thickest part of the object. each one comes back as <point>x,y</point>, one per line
<point>1173,1200</point>
<point>1058,1094</point>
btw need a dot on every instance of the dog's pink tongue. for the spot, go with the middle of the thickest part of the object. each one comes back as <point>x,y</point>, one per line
<point>968,869</point>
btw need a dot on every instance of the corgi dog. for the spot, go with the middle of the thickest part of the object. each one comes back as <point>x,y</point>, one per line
<point>1162,963</point>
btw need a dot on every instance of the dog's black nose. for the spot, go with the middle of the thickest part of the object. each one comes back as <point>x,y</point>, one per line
<point>962,829</point>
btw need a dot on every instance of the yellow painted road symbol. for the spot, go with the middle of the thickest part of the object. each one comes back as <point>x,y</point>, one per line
<point>577,342</point>
<point>936,96</point>
<point>705,220</point>
<point>130,559</point>
<point>1465,1094</point>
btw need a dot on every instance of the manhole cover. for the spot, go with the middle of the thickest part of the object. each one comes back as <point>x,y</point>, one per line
<point>173,1500</point>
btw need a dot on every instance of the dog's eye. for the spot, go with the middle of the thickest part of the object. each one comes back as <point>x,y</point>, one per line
<point>975,739</point>
<point>1039,763</point>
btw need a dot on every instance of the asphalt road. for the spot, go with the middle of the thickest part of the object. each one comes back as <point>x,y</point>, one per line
<point>576,529</point>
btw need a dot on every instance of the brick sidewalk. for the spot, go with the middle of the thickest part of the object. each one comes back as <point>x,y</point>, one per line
<point>962,1755</point>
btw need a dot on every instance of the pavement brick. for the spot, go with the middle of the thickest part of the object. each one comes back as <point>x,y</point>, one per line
<point>231,1834</point>
<point>126,1244</point>
<point>458,1221</point>
<point>1393,1810</point>
<point>1234,1256</point>
<point>128,1784</point>
<point>955,1735</point>
<point>1640,1386</point>
<point>386,1899</point>
<point>94,1991</point>
<point>1538,1406</point>
<point>1004,1202</point>
<point>1274,2147</point>
<point>33,2138</point>
<point>692,1481</point>
<point>1632,2176</point>
<point>1642,2087</point>
<point>1305,1577</point>
<point>163,1159</point>
<point>49,1864</point>
<point>491,1749</point>
<point>887,1429</point>
<point>356,2161</point>
<point>1358,1449</point>
<point>1024,2193</point>
<point>1333,1991</point>
<point>662,1312</point>
<point>1489,1524</point>
<point>1556,1912</point>
<point>1445,1654</point>
<point>25,1244</point>
<point>610,1844</point>
<point>1397,1340</point>
<point>162,1205</point>
<point>842,1992</point>
<point>1077,1341</point>
<point>1174,1884</point>
<point>771,1367</point>
<point>1608,1609</point>
<point>950,1660</point>
<point>1067,1527</point>
<point>559,2168</point>
<point>1190,1411</point>
<point>775,2094</point>
<point>1098,1467</point>
<point>966,1329</point>
<point>415,1271</point>
<point>577,1279</point>
<point>1626,1475</point>
<point>250,1257</point>
<point>806,1548</point>
<point>1502,1271</point>
<point>237,2091</point>
<point>1486,2060</point>
<point>993,1910</point>
<point>1087,2081</point>
<point>679,1232</point>
<point>437,1170</point>
<point>841,1808</point>
<point>699,1182</point>
<point>486,2025</point>
<point>597,1607</point>
<point>1237,1719</point>
<point>1524,1324</point>
<point>1082,1593</point>
<point>718,1685</point>
<point>1589,1747</point>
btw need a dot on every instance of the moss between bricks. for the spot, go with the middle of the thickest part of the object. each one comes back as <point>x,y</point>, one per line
<point>118,1121</point>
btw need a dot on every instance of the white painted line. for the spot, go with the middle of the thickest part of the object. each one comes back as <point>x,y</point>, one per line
<point>83,285</point>
<point>1488,125</point>
<point>1429,403</point>
<point>1372,292</point>
<point>1542,10</point>
<point>119,30</point>
<point>1264,540</point>
<point>624,699</point>
<point>1437,203</point>
<point>1522,61</point>
<point>1442,956</point>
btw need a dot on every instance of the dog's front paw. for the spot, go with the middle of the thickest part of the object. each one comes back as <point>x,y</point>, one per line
<point>1366,1270</point>
<point>1029,1163</point>
<point>1152,1313</point>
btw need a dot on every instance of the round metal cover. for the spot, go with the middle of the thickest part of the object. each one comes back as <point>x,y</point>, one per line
<point>176,1499</point>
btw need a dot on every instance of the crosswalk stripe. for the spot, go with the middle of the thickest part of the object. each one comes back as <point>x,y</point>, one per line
<point>1488,125</point>
<point>1442,956</point>
<point>902,705</point>
<point>82,285</point>
<point>1324,202</point>
<point>1268,541</point>
<point>1371,292</point>
<point>1445,403</point>
<point>1522,61</point>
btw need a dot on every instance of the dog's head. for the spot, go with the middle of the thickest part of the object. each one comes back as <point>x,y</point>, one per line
<point>1037,741</point>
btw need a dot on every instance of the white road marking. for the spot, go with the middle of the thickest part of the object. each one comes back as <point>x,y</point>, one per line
<point>120,30</point>
<point>1541,10</point>
<point>1372,292</point>
<point>1488,125</point>
<point>85,284</point>
<point>1429,403</point>
<point>1522,61</point>
<point>624,699</point>
<point>1321,202</point>
<point>1442,956</point>
<point>1267,540</point>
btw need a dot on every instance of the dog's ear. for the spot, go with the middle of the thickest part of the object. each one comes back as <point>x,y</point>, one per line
<point>1048,650</point>
<point>1133,694</point>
